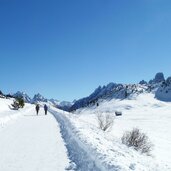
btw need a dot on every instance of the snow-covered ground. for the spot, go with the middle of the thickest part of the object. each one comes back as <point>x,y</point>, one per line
<point>67,141</point>
<point>6,114</point>
<point>105,149</point>
<point>30,142</point>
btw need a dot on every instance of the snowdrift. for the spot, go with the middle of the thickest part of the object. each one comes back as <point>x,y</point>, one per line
<point>6,114</point>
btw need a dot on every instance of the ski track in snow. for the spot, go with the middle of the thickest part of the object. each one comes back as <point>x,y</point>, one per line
<point>79,153</point>
<point>33,143</point>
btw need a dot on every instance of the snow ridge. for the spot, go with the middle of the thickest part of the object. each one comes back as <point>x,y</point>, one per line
<point>78,151</point>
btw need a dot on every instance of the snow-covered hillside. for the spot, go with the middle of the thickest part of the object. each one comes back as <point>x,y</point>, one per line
<point>23,95</point>
<point>144,112</point>
<point>126,91</point>
<point>6,114</point>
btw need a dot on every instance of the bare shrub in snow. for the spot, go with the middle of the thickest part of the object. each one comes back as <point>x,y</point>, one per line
<point>105,121</point>
<point>138,140</point>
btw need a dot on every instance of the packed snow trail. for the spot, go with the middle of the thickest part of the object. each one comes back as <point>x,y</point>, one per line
<point>79,152</point>
<point>33,143</point>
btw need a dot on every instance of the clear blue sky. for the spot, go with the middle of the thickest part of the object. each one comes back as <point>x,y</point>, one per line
<point>65,48</point>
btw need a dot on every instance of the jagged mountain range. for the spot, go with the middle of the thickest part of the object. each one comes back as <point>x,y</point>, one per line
<point>39,98</point>
<point>159,85</point>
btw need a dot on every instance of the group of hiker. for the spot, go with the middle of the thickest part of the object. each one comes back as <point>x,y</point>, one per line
<point>38,108</point>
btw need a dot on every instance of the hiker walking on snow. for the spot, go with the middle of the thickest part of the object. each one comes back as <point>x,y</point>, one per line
<point>37,108</point>
<point>46,109</point>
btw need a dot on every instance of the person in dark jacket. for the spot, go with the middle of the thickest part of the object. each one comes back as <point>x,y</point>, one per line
<point>37,108</point>
<point>46,109</point>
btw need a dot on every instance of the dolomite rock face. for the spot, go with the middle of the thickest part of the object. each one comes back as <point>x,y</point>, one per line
<point>164,91</point>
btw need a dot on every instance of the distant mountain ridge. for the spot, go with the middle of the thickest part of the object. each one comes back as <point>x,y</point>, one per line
<point>158,85</point>
<point>39,98</point>
<point>22,95</point>
<point>164,91</point>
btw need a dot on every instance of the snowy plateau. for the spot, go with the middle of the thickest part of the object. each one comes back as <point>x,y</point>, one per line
<point>72,140</point>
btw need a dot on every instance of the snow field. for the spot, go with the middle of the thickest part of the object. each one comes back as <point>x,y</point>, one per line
<point>104,149</point>
<point>7,115</point>
<point>36,143</point>
<point>88,145</point>
<point>144,112</point>
<point>33,143</point>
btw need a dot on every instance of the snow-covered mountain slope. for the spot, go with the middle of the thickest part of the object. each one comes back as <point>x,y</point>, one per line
<point>120,91</point>
<point>164,91</point>
<point>112,90</point>
<point>38,98</point>
<point>60,104</point>
<point>144,112</point>
<point>64,105</point>
<point>159,77</point>
<point>23,95</point>
<point>54,102</point>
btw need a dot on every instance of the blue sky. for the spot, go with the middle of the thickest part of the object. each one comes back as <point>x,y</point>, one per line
<point>65,48</point>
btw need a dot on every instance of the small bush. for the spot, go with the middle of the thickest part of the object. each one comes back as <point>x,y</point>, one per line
<point>15,105</point>
<point>105,121</point>
<point>18,103</point>
<point>21,102</point>
<point>139,141</point>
